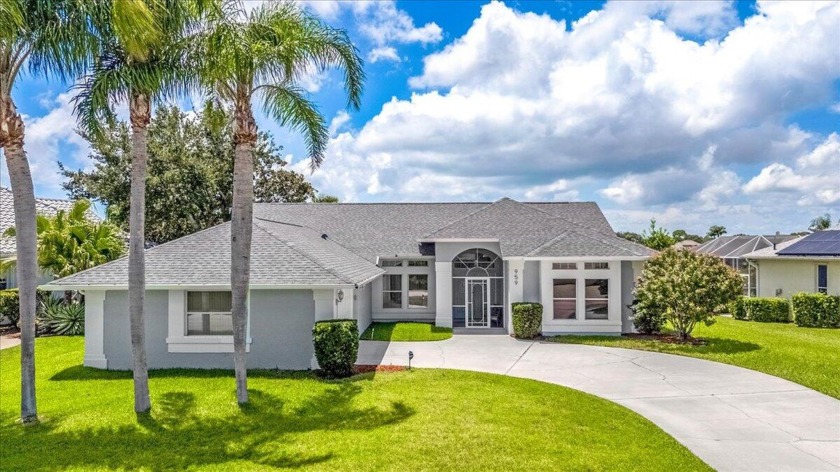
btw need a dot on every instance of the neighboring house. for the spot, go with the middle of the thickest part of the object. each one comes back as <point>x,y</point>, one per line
<point>455,264</point>
<point>43,206</point>
<point>733,248</point>
<point>686,244</point>
<point>807,264</point>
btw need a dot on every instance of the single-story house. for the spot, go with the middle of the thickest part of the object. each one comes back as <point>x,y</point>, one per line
<point>732,249</point>
<point>454,264</point>
<point>807,264</point>
<point>43,206</point>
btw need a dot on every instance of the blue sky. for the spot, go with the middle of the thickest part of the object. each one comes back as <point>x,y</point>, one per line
<point>696,113</point>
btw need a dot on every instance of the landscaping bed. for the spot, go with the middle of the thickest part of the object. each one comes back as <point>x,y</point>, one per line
<point>407,420</point>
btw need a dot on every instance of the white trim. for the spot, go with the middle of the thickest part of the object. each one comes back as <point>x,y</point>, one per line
<point>587,259</point>
<point>580,324</point>
<point>95,330</point>
<point>62,288</point>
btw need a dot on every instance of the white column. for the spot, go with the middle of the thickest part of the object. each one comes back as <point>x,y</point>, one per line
<point>443,294</point>
<point>513,285</point>
<point>95,330</point>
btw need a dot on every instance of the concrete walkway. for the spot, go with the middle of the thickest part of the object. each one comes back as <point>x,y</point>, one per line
<point>8,341</point>
<point>730,417</point>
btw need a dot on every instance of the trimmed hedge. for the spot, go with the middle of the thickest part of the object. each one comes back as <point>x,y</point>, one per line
<point>816,310</point>
<point>738,310</point>
<point>336,346</point>
<point>527,319</point>
<point>10,305</point>
<point>646,321</point>
<point>767,310</point>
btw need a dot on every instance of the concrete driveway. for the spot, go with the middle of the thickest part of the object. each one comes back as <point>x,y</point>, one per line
<point>732,418</point>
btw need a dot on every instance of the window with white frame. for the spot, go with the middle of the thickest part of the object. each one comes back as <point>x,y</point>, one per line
<point>392,291</point>
<point>822,278</point>
<point>565,299</point>
<point>418,291</point>
<point>596,298</point>
<point>596,265</point>
<point>564,266</point>
<point>209,314</point>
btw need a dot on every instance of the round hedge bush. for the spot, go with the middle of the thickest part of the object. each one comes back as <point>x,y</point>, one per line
<point>527,319</point>
<point>336,346</point>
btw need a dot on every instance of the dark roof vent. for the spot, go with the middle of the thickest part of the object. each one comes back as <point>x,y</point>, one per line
<point>324,236</point>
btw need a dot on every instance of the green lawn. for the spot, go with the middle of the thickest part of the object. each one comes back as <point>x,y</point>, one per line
<point>409,420</point>
<point>406,331</point>
<point>808,356</point>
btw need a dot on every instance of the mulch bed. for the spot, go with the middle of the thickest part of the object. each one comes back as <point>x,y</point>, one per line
<point>9,331</point>
<point>364,369</point>
<point>667,338</point>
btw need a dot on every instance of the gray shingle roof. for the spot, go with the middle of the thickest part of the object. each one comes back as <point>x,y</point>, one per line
<point>337,244</point>
<point>43,206</point>
<point>281,254</point>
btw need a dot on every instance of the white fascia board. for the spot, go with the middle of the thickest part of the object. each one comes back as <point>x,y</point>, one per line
<point>62,288</point>
<point>589,258</point>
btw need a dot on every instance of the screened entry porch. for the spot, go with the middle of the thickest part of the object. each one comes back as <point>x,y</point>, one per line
<point>478,291</point>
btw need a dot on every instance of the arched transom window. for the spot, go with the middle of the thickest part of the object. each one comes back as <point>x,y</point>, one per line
<point>477,263</point>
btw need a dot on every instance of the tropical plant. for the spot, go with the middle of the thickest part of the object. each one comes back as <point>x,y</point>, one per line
<point>50,38</point>
<point>66,319</point>
<point>716,231</point>
<point>189,183</point>
<point>140,60</point>
<point>657,237</point>
<point>686,288</point>
<point>263,55</point>
<point>69,242</point>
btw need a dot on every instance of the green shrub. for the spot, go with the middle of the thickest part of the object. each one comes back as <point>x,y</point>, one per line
<point>527,319</point>
<point>765,309</point>
<point>816,310</point>
<point>336,346</point>
<point>61,318</point>
<point>647,321</point>
<point>738,310</point>
<point>10,305</point>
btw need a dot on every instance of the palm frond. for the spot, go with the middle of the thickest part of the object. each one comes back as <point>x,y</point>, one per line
<point>290,107</point>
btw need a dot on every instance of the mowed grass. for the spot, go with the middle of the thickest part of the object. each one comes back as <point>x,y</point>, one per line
<point>406,331</point>
<point>807,356</point>
<point>409,420</point>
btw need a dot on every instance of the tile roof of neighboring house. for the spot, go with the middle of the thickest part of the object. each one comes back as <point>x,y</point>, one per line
<point>43,206</point>
<point>334,244</point>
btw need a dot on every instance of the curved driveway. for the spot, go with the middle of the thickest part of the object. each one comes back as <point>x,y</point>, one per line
<point>732,418</point>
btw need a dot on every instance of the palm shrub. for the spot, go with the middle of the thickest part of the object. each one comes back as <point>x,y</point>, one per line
<point>687,288</point>
<point>336,346</point>
<point>527,319</point>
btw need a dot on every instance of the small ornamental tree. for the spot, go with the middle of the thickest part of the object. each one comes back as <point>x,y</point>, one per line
<point>687,288</point>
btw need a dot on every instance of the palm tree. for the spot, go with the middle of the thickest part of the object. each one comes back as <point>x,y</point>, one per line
<point>50,38</point>
<point>140,60</point>
<point>263,55</point>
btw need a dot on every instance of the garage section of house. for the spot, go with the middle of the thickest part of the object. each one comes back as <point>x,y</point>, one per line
<point>454,264</point>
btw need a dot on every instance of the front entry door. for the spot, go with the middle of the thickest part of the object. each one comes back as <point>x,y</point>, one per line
<point>478,302</point>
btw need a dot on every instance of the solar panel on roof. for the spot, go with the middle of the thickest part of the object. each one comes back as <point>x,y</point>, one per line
<point>822,243</point>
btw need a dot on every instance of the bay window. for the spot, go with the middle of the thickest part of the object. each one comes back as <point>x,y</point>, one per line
<point>405,284</point>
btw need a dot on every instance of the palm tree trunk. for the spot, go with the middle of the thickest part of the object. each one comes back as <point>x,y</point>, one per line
<point>140,115</point>
<point>23,193</point>
<point>244,137</point>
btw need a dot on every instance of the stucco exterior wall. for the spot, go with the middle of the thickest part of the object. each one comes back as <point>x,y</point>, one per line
<point>361,306</point>
<point>280,331</point>
<point>793,276</point>
<point>531,282</point>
